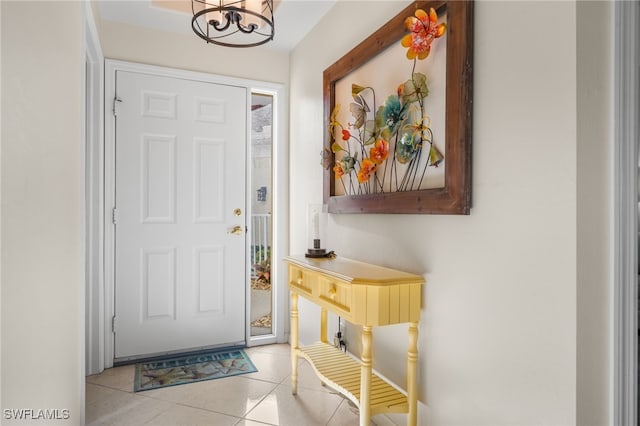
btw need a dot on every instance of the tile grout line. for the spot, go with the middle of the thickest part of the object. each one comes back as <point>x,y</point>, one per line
<point>243,417</point>
<point>109,387</point>
<point>334,412</point>
<point>180,404</point>
<point>259,402</point>
<point>183,404</point>
<point>139,401</point>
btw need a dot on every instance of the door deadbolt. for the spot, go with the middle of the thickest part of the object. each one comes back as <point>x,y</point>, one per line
<point>237,212</point>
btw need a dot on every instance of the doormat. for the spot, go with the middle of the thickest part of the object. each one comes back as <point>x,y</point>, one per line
<point>191,368</point>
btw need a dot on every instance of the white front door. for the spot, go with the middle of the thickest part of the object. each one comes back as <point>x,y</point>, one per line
<point>180,190</point>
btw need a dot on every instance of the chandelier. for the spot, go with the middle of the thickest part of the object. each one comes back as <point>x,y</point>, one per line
<point>233,23</point>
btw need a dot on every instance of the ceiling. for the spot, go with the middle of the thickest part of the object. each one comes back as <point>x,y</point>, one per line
<point>293,18</point>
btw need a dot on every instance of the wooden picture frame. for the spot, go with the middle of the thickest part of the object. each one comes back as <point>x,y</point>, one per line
<point>455,196</point>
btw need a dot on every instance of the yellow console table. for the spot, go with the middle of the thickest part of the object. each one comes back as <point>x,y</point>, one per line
<point>369,296</point>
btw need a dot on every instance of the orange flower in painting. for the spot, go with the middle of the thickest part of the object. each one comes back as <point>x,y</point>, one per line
<point>346,135</point>
<point>380,151</point>
<point>424,29</point>
<point>366,168</point>
<point>338,171</point>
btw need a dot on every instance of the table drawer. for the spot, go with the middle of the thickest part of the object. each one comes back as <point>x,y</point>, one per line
<point>336,294</point>
<point>301,280</point>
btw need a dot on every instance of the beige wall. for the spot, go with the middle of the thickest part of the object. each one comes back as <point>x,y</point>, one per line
<point>42,259</point>
<point>129,43</point>
<point>498,336</point>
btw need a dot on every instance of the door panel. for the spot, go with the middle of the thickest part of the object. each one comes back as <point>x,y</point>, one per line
<point>180,173</point>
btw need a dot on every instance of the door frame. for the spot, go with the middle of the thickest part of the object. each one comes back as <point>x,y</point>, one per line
<point>93,87</point>
<point>280,234</point>
<point>626,96</point>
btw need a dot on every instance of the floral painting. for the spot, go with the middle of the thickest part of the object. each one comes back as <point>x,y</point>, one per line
<point>389,145</point>
<point>386,131</point>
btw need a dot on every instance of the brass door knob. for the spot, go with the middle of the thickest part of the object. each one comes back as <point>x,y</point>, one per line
<point>237,230</point>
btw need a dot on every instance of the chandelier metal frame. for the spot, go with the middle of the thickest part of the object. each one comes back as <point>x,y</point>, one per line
<point>234,16</point>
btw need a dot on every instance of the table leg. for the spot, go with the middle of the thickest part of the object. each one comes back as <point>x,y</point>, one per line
<point>294,343</point>
<point>365,377</point>
<point>323,325</point>
<point>412,374</point>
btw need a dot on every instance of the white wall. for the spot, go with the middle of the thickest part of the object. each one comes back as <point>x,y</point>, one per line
<point>498,339</point>
<point>42,151</point>
<point>130,43</point>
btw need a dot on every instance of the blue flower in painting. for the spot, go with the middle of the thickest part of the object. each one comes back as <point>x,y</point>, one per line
<point>390,114</point>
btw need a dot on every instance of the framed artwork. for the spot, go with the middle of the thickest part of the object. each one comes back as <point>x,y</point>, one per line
<point>397,111</point>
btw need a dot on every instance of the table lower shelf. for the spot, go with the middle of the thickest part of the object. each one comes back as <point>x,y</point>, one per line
<point>342,373</point>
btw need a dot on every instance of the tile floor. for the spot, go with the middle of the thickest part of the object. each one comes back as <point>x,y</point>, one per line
<point>251,399</point>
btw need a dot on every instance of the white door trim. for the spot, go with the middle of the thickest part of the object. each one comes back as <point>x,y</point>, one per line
<point>624,384</point>
<point>280,182</point>
<point>94,196</point>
